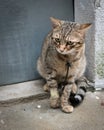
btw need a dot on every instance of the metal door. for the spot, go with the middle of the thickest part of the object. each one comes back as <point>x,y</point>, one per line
<point>23,26</point>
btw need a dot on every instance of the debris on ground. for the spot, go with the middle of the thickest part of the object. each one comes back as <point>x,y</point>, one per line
<point>38,106</point>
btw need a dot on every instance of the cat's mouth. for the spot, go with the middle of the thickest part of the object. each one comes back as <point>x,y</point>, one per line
<point>64,52</point>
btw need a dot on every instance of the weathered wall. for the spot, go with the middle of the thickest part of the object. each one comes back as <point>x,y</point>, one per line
<point>99,42</point>
<point>93,11</point>
<point>84,13</point>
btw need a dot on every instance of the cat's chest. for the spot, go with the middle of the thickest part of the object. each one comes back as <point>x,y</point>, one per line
<point>61,68</point>
<point>59,63</point>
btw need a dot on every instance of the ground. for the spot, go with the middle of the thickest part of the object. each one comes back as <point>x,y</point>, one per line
<point>37,115</point>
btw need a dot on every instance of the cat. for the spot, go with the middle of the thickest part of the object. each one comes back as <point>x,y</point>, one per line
<point>63,60</point>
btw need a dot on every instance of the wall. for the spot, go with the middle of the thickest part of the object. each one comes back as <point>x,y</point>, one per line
<point>84,13</point>
<point>99,42</point>
<point>93,11</point>
<point>23,26</point>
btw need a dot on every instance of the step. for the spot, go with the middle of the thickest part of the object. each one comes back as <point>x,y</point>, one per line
<point>22,92</point>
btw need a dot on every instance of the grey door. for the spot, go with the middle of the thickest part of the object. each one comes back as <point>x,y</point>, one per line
<point>23,26</point>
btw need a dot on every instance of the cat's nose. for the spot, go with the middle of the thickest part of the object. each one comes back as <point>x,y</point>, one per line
<point>62,48</point>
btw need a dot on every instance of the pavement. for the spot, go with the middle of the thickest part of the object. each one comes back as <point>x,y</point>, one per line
<point>33,113</point>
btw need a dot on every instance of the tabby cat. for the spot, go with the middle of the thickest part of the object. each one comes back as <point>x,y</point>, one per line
<point>62,61</point>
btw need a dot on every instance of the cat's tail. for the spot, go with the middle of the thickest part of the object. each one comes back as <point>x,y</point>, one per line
<point>77,98</point>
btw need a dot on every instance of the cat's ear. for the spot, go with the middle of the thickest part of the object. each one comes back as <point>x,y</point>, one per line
<point>55,22</point>
<point>84,27</point>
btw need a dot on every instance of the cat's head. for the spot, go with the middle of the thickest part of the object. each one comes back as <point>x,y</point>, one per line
<point>68,37</point>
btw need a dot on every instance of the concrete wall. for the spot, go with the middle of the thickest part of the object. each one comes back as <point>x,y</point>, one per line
<point>99,42</point>
<point>84,13</point>
<point>93,11</point>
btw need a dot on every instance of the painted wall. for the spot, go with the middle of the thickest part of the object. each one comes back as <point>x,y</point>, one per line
<point>23,26</point>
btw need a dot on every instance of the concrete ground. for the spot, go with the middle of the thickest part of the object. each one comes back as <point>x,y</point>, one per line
<point>37,115</point>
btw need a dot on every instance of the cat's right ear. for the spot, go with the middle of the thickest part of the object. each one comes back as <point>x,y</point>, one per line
<point>55,22</point>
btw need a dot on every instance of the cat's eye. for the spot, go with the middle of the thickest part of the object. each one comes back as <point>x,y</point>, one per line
<point>69,43</point>
<point>57,40</point>
<point>79,43</point>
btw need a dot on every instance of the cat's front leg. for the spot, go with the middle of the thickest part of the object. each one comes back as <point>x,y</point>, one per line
<point>71,80</point>
<point>53,87</point>
<point>65,105</point>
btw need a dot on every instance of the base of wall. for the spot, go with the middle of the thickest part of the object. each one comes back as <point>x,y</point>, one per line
<point>22,92</point>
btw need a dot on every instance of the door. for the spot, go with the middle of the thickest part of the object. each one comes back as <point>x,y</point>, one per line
<point>23,26</point>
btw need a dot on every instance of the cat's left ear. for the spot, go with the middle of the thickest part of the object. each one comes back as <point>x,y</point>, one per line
<point>55,22</point>
<point>84,27</point>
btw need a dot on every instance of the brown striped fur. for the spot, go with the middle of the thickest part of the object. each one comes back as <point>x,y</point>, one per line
<point>65,43</point>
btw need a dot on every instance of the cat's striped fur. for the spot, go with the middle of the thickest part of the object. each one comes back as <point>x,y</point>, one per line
<point>65,43</point>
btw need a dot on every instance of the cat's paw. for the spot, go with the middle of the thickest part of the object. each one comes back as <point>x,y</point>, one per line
<point>54,102</point>
<point>67,109</point>
<point>46,88</point>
